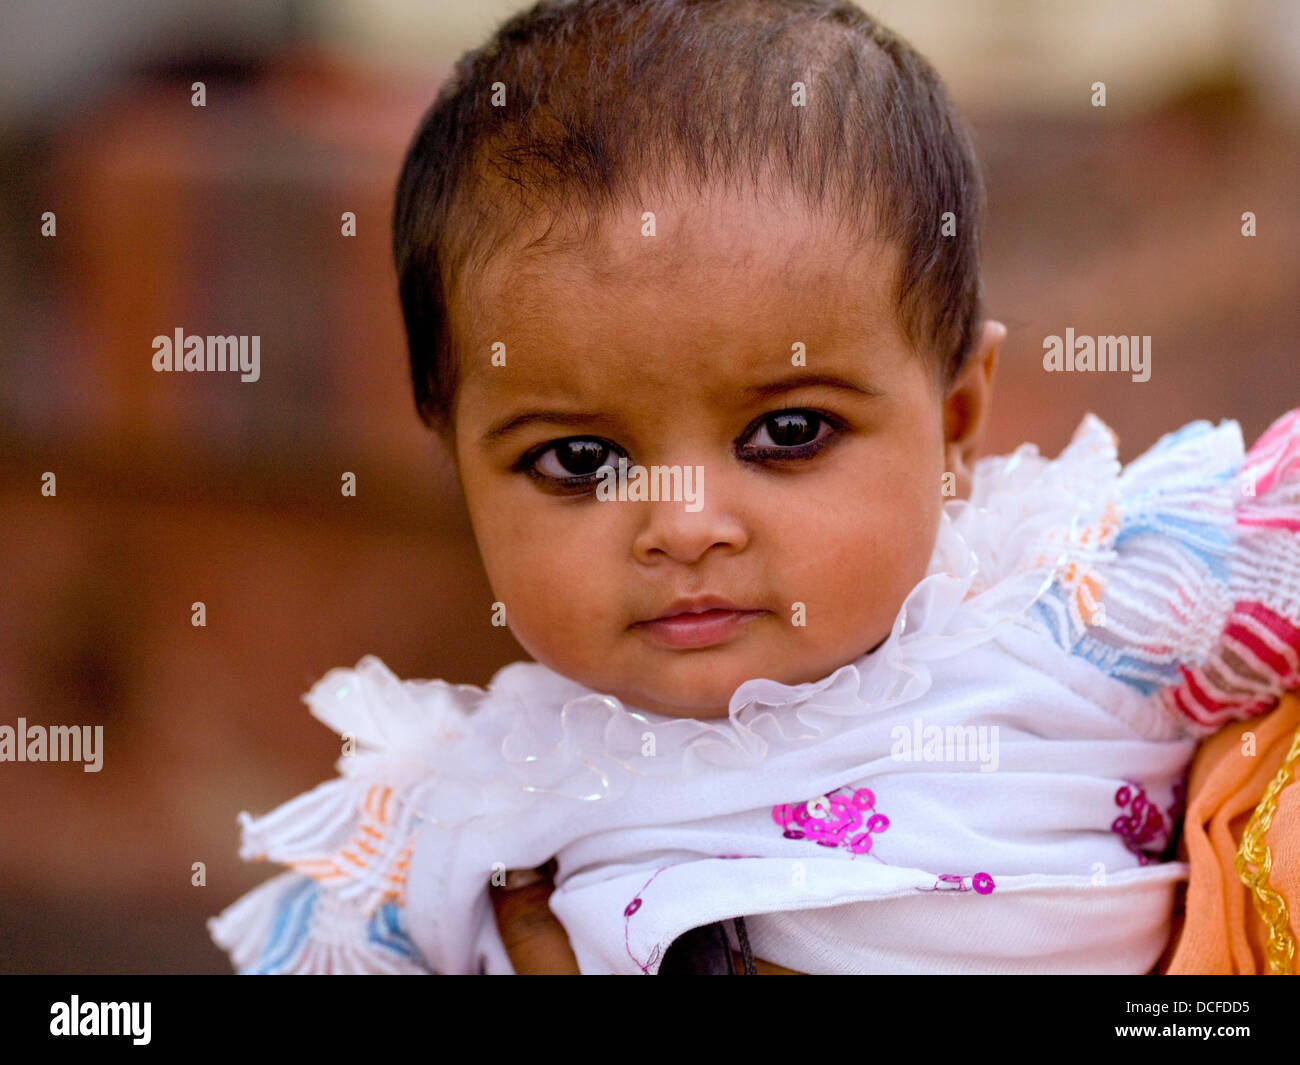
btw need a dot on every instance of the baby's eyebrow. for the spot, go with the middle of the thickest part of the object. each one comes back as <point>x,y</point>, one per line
<point>809,380</point>
<point>574,419</point>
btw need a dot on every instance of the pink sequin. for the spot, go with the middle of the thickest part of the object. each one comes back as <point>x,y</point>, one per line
<point>630,909</point>
<point>980,883</point>
<point>1146,831</point>
<point>841,825</point>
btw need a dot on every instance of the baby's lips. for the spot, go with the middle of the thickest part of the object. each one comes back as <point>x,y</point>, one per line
<point>699,604</point>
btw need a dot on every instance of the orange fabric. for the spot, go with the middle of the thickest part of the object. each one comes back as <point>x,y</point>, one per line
<point>1221,931</point>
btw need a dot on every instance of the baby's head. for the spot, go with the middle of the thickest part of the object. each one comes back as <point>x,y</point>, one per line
<point>736,237</point>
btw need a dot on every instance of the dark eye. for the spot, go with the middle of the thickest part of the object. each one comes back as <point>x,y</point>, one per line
<point>574,460</point>
<point>789,434</point>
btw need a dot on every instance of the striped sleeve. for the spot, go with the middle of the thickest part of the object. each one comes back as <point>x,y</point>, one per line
<point>1255,658</point>
<point>342,905</point>
<point>1179,574</point>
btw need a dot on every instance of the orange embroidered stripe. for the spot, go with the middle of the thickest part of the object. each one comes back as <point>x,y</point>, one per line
<point>318,870</point>
<point>376,803</point>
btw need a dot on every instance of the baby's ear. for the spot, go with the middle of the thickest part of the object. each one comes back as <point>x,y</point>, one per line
<point>966,407</point>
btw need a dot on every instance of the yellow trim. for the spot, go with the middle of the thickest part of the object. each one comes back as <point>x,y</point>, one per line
<point>1253,851</point>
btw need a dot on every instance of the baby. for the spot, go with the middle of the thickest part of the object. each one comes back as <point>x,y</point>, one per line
<point>692,297</point>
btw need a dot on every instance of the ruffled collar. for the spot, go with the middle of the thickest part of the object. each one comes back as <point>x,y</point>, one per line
<point>994,556</point>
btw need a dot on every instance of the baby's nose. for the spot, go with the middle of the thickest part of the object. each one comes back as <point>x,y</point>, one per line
<point>685,518</point>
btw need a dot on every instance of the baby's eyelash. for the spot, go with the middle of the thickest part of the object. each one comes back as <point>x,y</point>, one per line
<point>784,421</point>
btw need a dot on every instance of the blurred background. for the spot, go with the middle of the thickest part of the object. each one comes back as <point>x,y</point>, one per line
<point>226,219</point>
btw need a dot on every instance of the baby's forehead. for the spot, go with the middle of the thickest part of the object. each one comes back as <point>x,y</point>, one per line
<point>740,282</point>
<point>707,330</point>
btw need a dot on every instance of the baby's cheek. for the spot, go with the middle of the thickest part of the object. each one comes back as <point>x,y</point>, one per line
<point>912,533</point>
<point>545,592</point>
<point>888,556</point>
<point>557,601</point>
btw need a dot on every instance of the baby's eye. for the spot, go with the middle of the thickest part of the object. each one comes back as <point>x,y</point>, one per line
<point>789,434</point>
<point>572,461</point>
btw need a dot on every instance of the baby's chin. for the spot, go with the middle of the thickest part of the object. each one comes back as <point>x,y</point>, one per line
<point>703,690</point>
<point>701,683</point>
<point>702,707</point>
<point>704,695</point>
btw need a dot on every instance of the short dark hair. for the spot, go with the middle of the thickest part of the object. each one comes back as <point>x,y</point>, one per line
<point>603,95</point>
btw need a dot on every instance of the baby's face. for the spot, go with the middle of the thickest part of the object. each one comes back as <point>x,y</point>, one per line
<point>819,499</point>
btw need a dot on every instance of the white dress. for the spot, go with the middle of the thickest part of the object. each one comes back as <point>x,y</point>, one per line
<point>994,789</point>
